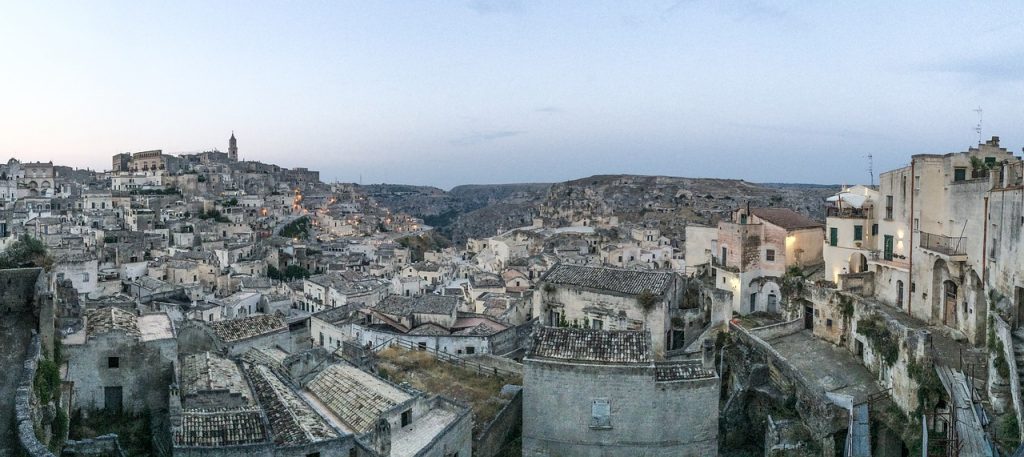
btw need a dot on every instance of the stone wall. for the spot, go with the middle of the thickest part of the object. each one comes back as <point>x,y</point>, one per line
<point>781,329</point>
<point>19,289</point>
<point>502,429</point>
<point>646,417</point>
<point>101,446</point>
<point>26,404</point>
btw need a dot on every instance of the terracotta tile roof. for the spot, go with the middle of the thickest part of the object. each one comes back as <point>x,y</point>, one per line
<point>683,370</point>
<point>247,327</point>
<point>786,218</point>
<point>208,372</point>
<point>585,345</point>
<point>397,305</point>
<point>292,420</point>
<point>356,397</point>
<point>220,428</point>
<point>103,320</point>
<point>629,282</point>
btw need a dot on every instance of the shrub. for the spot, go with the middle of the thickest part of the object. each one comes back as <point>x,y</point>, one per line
<point>881,338</point>
<point>47,381</point>
<point>647,300</point>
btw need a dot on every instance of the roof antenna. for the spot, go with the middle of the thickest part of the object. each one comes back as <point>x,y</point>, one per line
<point>871,168</point>
<point>977,128</point>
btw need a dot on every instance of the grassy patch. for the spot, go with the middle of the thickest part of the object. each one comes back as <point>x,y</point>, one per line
<point>424,372</point>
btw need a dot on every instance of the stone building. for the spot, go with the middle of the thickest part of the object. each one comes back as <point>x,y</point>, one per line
<point>755,247</point>
<point>222,410</point>
<point>600,393</point>
<point>121,361</point>
<point>610,299</point>
<point>926,240</point>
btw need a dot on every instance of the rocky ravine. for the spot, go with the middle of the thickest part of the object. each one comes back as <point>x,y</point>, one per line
<point>667,202</point>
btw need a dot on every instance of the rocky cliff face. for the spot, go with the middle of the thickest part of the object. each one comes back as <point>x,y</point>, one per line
<point>666,202</point>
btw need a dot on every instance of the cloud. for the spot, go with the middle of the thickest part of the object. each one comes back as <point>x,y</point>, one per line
<point>1007,67</point>
<point>550,110</point>
<point>482,137</point>
<point>495,6</point>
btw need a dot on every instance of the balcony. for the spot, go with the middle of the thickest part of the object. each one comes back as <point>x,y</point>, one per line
<point>847,212</point>
<point>716,262</point>
<point>945,245</point>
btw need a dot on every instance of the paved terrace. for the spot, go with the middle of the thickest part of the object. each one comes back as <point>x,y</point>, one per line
<point>830,368</point>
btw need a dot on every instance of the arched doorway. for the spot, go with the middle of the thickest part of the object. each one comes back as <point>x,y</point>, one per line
<point>949,301</point>
<point>858,263</point>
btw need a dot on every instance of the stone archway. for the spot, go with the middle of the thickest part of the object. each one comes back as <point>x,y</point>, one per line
<point>858,263</point>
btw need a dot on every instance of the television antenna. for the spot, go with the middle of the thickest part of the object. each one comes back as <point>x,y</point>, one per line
<point>871,168</point>
<point>977,128</point>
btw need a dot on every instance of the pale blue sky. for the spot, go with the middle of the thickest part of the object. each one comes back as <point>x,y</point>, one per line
<point>483,91</point>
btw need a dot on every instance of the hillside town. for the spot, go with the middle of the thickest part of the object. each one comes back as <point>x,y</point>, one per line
<point>203,305</point>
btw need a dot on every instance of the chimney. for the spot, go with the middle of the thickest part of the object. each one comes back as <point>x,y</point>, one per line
<point>708,354</point>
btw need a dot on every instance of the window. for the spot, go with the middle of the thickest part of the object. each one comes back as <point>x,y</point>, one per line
<point>888,206</point>
<point>470,350</point>
<point>421,346</point>
<point>959,174</point>
<point>917,225</point>
<point>828,323</point>
<point>899,293</point>
<point>597,324</point>
<point>874,229</point>
<point>769,255</point>
<point>858,232</point>
<point>406,417</point>
<point>833,236</point>
<point>113,362</point>
<point>314,454</point>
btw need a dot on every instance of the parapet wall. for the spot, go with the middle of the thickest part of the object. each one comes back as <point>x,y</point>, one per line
<point>501,429</point>
<point>25,404</point>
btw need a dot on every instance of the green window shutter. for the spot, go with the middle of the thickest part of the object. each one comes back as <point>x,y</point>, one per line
<point>858,232</point>
<point>834,236</point>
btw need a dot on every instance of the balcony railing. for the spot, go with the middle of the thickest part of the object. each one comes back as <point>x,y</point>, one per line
<point>847,213</point>
<point>944,244</point>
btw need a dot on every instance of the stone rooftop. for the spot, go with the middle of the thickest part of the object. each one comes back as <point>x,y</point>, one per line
<point>247,327</point>
<point>397,305</point>
<point>681,371</point>
<point>586,345</point>
<point>292,421</point>
<point>220,428</point>
<point>103,320</point>
<point>786,218</point>
<point>155,327</point>
<point>205,372</point>
<point>357,398</point>
<point>629,282</point>
<point>408,441</point>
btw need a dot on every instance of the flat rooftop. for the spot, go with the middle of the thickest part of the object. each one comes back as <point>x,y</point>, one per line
<point>831,369</point>
<point>155,327</point>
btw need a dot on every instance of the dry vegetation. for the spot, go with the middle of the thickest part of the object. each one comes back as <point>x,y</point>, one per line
<point>424,372</point>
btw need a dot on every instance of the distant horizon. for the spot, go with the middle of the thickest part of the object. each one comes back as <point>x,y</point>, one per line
<point>507,91</point>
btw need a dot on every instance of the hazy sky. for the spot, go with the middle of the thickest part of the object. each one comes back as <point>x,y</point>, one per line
<point>444,93</point>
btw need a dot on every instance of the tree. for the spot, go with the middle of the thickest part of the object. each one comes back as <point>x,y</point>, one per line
<point>25,252</point>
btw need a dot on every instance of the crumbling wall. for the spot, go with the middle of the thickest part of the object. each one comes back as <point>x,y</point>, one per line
<point>26,405</point>
<point>18,290</point>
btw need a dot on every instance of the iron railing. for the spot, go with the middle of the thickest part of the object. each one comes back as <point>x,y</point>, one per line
<point>944,244</point>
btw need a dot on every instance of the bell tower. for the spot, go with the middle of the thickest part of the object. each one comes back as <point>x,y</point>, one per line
<point>233,147</point>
